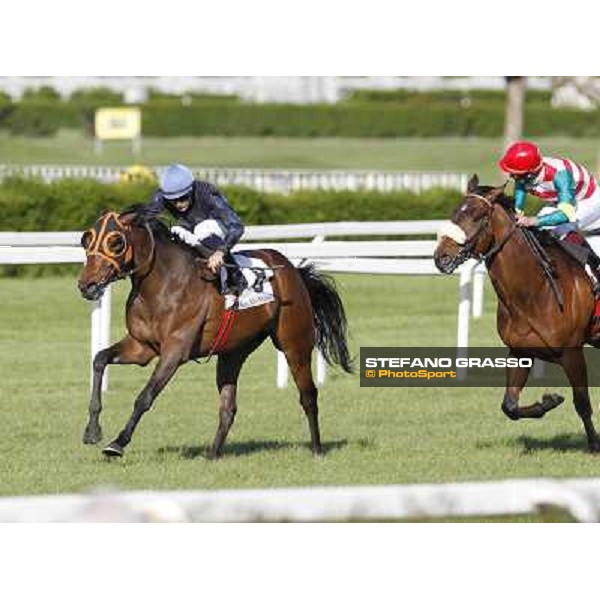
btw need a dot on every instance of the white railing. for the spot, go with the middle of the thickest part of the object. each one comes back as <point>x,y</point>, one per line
<point>404,257</point>
<point>267,180</point>
<point>578,497</point>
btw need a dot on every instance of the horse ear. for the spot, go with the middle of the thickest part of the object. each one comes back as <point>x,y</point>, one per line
<point>128,218</point>
<point>473,184</point>
<point>497,192</point>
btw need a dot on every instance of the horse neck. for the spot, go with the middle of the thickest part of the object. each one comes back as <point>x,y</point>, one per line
<point>514,268</point>
<point>160,263</point>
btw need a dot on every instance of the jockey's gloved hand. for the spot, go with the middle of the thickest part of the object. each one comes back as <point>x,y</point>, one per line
<point>524,221</point>
<point>184,235</point>
<point>215,261</point>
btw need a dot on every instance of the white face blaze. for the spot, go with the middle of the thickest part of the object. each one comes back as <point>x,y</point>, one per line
<point>453,231</point>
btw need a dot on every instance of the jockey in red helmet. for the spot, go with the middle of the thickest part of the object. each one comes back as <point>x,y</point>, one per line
<point>570,190</point>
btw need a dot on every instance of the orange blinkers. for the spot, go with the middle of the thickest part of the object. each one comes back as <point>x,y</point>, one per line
<point>107,239</point>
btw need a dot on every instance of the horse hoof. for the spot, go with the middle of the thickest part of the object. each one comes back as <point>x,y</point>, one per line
<point>113,450</point>
<point>594,447</point>
<point>511,411</point>
<point>92,436</point>
<point>551,401</point>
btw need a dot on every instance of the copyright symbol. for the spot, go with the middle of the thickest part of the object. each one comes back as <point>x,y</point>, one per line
<point>369,373</point>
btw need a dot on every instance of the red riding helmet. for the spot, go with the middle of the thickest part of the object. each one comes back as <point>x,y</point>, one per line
<point>520,158</point>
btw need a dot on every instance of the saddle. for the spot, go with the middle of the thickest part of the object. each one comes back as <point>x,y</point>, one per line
<point>577,247</point>
<point>257,279</point>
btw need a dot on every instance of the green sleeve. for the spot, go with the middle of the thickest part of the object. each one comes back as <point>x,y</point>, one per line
<point>520,195</point>
<point>555,218</point>
<point>565,186</point>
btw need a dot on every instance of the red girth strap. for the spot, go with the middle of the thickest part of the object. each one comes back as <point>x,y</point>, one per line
<point>223,333</point>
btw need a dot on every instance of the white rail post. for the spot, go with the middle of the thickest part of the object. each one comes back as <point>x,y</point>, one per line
<point>321,368</point>
<point>282,370</point>
<point>464,305</point>
<point>100,332</point>
<point>464,312</point>
<point>96,336</point>
<point>539,368</point>
<point>478,283</point>
<point>105,308</point>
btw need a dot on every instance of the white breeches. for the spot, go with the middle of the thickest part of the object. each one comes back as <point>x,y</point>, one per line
<point>208,228</point>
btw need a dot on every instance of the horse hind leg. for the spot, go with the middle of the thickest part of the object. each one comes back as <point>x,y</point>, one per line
<point>228,370</point>
<point>299,361</point>
<point>229,366</point>
<point>573,363</point>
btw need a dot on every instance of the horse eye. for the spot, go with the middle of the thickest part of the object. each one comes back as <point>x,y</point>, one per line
<point>117,244</point>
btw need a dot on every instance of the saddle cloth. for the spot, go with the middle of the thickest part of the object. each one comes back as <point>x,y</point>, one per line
<point>258,289</point>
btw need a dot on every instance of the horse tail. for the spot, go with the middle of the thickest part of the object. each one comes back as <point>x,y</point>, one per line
<point>329,316</point>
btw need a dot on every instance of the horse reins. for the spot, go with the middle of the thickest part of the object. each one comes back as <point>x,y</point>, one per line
<point>472,240</point>
<point>148,260</point>
<point>531,241</point>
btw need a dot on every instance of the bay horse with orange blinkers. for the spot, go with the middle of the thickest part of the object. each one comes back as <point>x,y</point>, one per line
<point>535,319</point>
<point>174,312</point>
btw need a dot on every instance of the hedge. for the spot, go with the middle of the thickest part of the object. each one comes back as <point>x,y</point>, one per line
<point>475,96</point>
<point>360,120</point>
<point>418,116</point>
<point>28,204</point>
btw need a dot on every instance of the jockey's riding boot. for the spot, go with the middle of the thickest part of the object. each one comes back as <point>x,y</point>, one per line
<point>236,282</point>
<point>590,258</point>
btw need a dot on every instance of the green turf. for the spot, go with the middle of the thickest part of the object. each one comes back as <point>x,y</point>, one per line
<point>445,154</point>
<point>372,436</point>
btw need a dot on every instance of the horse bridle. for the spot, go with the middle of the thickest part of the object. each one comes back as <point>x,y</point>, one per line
<point>466,249</point>
<point>99,245</point>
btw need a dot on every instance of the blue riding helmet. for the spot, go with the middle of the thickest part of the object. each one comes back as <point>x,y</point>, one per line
<point>176,181</point>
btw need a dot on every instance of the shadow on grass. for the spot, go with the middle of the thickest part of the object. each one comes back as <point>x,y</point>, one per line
<point>564,442</point>
<point>248,447</point>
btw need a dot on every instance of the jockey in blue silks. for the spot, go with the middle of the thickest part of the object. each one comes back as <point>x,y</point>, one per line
<point>205,220</point>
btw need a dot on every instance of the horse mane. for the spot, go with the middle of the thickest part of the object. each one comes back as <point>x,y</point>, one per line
<point>506,202</point>
<point>145,217</point>
<point>159,227</point>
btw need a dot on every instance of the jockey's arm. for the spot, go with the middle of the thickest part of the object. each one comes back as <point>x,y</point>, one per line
<point>229,220</point>
<point>565,186</point>
<point>520,195</point>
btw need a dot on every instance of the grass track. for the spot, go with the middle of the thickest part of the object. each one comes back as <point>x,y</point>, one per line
<point>373,436</point>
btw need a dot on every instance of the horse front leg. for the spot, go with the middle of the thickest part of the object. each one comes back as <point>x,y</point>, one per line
<point>126,352</point>
<point>573,363</point>
<point>165,369</point>
<point>516,378</point>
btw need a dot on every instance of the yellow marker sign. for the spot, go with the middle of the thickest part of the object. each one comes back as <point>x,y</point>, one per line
<point>118,123</point>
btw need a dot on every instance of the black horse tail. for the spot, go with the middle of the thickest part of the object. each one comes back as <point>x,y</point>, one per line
<point>329,316</point>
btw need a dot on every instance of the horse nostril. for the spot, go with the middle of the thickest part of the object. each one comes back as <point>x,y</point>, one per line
<point>443,262</point>
<point>90,291</point>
